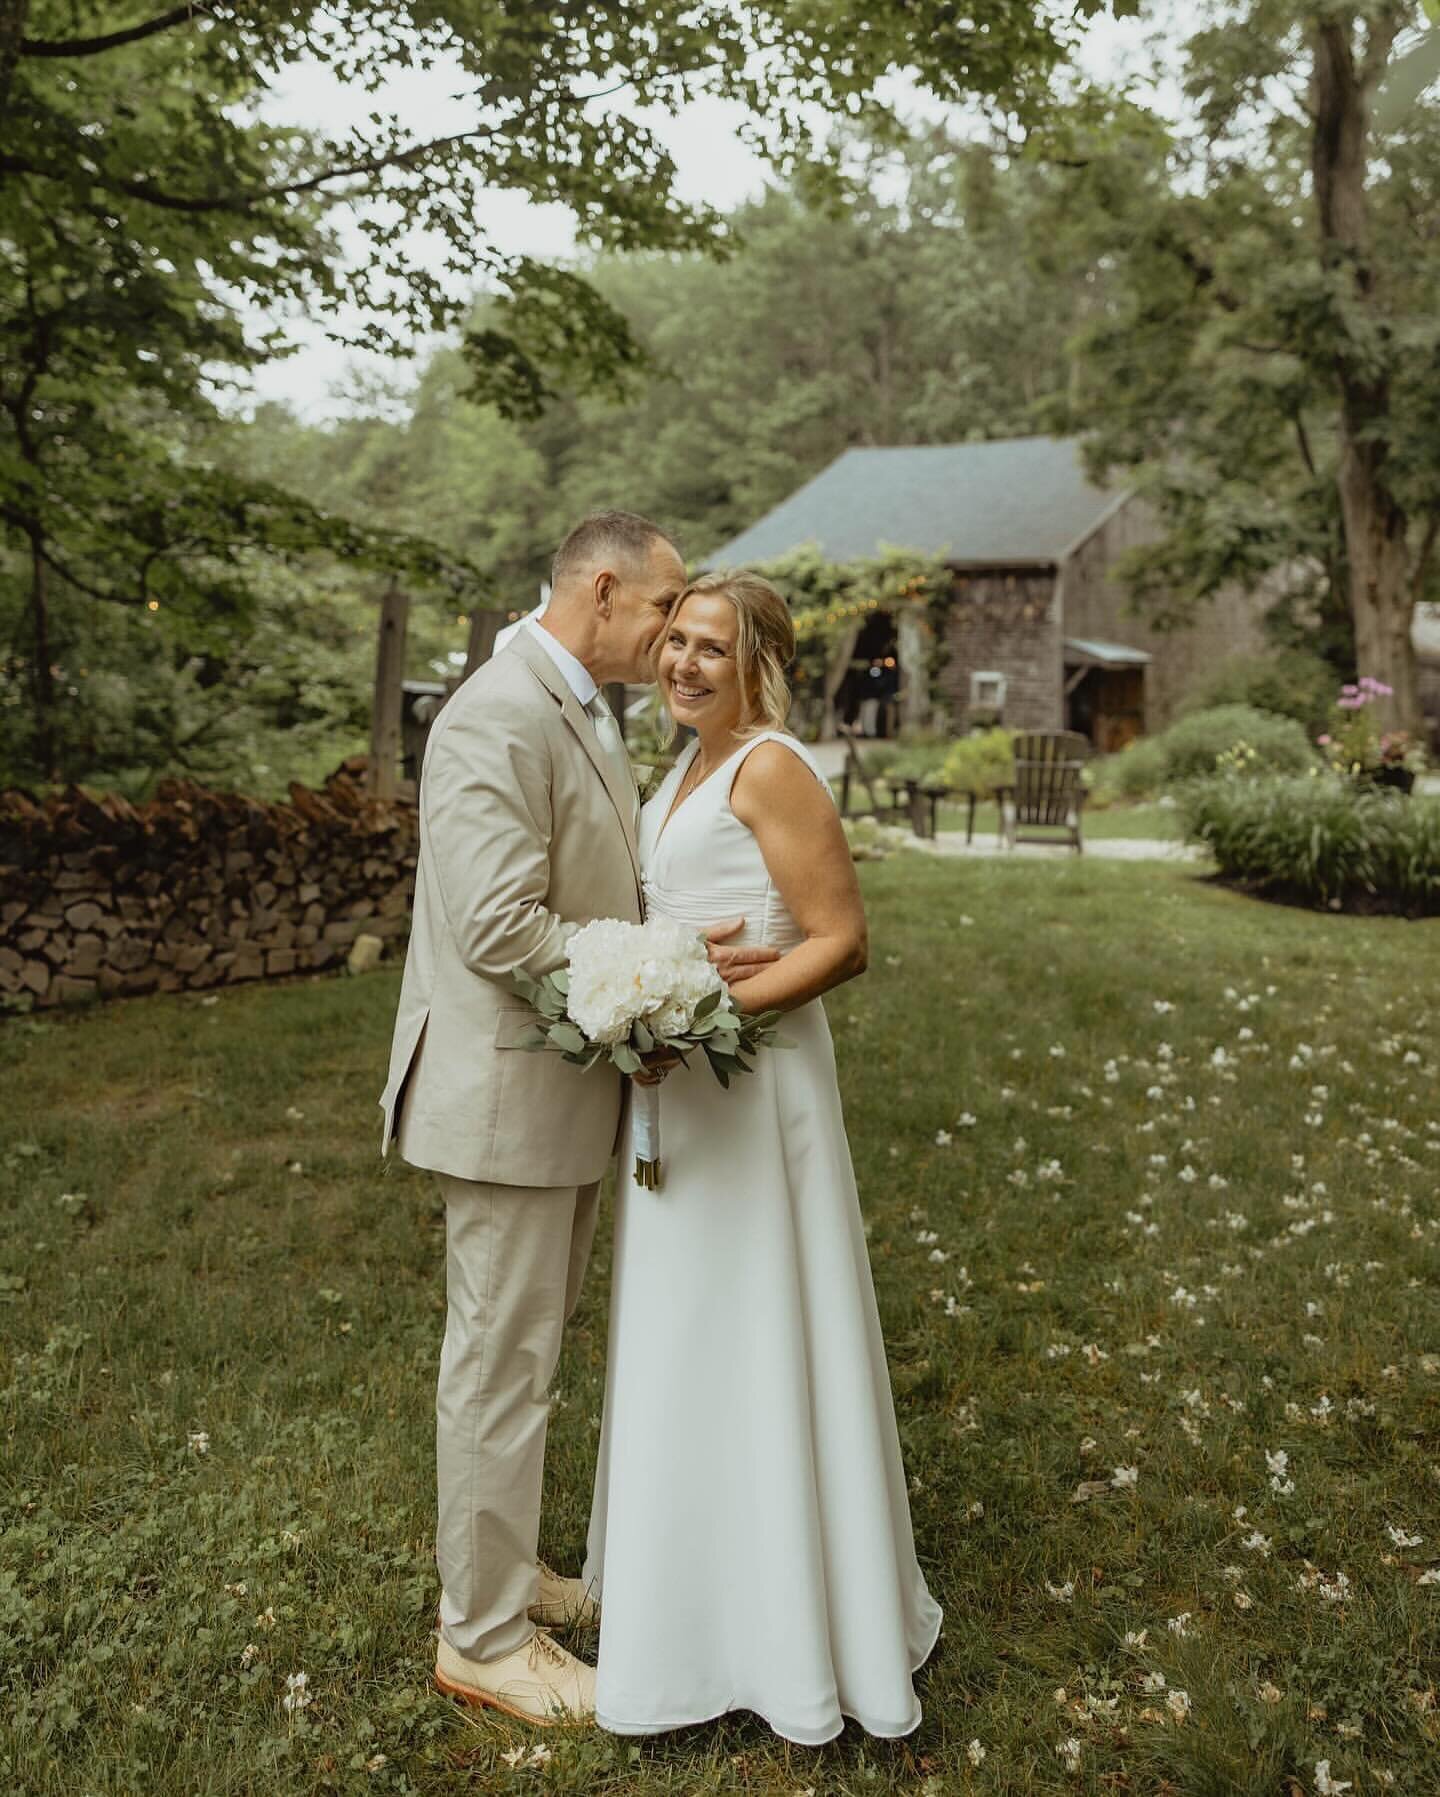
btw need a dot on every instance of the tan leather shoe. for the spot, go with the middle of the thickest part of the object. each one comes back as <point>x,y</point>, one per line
<point>561,1602</point>
<point>539,1682</point>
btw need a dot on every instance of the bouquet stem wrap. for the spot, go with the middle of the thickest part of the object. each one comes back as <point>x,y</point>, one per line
<point>645,1128</point>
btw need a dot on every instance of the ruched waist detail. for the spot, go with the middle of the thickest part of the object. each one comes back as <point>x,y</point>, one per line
<point>767,922</point>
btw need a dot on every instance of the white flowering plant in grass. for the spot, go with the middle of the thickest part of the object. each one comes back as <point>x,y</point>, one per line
<point>634,989</point>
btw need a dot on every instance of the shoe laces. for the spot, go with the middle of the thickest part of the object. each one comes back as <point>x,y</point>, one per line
<point>542,1647</point>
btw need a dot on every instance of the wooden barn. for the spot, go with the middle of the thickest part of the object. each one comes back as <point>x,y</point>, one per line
<point>1041,634</point>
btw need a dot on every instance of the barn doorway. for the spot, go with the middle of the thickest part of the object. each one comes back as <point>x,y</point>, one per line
<point>1105,692</point>
<point>868,698</point>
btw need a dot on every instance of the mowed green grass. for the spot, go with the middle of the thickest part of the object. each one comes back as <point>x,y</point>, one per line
<point>1099,824</point>
<point>1150,1173</point>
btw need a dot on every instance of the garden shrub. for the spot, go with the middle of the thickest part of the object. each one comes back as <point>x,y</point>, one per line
<point>1238,738</point>
<point>920,757</point>
<point>1193,745</point>
<point>1291,683</point>
<point>980,762</point>
<point>1136,772</point>
<point>879,754</point>
<point>1321,840</point>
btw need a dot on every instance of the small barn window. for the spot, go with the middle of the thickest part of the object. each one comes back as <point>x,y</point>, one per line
<point>987,692</point>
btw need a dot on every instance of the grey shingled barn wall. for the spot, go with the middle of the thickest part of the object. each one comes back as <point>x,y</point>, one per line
<point>1004,623</point>
<point>1096,606</point>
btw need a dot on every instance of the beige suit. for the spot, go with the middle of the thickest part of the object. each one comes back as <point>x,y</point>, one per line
<point>527,831</point>
<point>525,834</point>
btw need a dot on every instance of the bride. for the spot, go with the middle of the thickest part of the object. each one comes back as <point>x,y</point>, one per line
<point>750,1540</point>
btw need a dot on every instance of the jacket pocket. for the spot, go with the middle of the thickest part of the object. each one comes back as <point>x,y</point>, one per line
<point>516,1029</point>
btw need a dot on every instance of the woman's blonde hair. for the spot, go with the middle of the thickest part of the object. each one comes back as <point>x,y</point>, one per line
<point>764,643</point>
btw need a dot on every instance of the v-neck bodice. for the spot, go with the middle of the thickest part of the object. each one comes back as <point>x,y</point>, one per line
<point>703,865</point>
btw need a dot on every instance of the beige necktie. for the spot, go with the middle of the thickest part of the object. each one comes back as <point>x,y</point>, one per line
<point>613,743</point>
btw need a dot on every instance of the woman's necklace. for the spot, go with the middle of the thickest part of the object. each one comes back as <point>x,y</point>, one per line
<point>687,785</point>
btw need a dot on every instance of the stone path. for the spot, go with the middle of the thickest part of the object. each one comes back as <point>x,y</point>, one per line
<point>951,845</point>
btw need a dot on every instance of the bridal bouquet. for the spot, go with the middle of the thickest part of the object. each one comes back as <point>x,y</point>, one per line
<point>632,988</point>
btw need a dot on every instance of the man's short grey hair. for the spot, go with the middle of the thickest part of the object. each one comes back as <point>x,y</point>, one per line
<point>606,536</point>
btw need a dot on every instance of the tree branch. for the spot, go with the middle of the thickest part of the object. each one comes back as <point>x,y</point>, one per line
<point>1203,273</point>
<point>110,597</point>
<point>114,40</point>
<point>1379,42</point>
<point>244,202</point>
<point>1304,439</point>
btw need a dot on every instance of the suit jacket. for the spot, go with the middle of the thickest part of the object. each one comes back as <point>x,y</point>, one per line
<point>526,833</point>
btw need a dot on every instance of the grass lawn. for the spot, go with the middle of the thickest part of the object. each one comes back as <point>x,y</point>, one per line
<point>1127,821</point>
<point>1150,1174</point>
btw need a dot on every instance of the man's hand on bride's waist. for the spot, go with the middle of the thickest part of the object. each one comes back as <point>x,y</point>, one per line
<point>736,961</point>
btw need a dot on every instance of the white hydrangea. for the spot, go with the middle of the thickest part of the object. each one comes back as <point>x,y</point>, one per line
<point>620,972</point>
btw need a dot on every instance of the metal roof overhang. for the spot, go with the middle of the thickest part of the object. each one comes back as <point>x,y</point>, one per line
<point>1082,652</point>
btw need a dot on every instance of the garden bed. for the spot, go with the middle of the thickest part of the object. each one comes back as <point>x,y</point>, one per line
<point>1319,841</point>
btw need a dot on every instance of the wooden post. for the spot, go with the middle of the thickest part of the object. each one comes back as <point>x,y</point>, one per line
<point>384,765</point>
<point>485,626</point>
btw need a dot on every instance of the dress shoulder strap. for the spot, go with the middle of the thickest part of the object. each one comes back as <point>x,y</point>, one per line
<point>774,736</point>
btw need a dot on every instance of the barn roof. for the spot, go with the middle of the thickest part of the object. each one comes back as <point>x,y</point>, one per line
<point>1019,502</point>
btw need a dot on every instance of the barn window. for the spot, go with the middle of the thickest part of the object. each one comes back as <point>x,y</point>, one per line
<point>987,692</point>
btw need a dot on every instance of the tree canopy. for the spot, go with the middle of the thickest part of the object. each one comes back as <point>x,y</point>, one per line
<point>1267,365</point>
<point>146,203</point>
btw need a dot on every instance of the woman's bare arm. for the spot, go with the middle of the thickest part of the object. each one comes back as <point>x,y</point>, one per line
<point>794,820</point>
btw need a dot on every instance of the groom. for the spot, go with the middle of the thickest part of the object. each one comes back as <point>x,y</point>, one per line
<point>528,817</point>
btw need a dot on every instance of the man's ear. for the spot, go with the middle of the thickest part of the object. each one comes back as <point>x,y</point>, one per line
<point>604,592</point>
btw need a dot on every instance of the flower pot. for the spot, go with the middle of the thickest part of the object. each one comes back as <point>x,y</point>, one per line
<point>1401,778</point>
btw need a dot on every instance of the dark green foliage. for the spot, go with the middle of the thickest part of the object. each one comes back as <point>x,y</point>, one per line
<point>1251,741</point>
<point>146,208</point>
<point>1291,683</point>
<point>1194,744</point>
<point>1319,840</point>
<point>1269,322</point>
<point>1136,772</point>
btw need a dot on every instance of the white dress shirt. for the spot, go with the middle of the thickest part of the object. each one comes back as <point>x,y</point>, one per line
<point>577,676</point>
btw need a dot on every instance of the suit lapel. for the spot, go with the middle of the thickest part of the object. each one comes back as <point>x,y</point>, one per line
<point>622,796</point>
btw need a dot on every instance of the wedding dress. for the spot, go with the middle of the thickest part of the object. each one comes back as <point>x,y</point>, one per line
<point>750,1536</point>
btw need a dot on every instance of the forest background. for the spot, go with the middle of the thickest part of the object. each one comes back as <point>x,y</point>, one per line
<point>188,589</point>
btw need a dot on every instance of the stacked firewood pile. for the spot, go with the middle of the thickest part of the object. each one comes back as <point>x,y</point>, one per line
<point>194,888</point>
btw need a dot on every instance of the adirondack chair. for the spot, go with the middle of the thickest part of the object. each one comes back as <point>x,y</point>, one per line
<point>1046,793</point>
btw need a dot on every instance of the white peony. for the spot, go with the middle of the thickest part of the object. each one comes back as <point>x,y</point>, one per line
<point>623,972</point>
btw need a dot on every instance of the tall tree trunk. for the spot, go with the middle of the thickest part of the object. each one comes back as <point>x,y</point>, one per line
<point>1381,578</point>
<point>12,31</point>
<point>42,679</point>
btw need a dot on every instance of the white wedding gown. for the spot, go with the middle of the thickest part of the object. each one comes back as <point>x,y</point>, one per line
<point>750,1535</point>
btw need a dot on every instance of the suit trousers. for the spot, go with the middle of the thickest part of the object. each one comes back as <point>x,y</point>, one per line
<point>515,1259</point>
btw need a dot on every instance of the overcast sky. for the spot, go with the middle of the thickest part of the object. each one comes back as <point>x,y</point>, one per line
<point>712,164</point>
